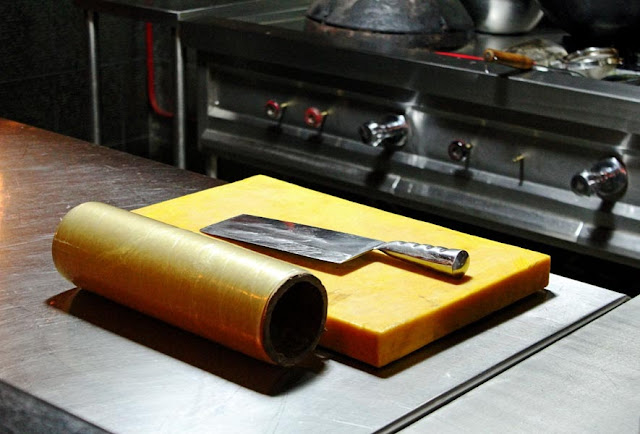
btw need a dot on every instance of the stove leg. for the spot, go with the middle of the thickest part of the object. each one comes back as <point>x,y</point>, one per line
<point>179,151</point>
<point>212,166</point>
<point>92,23</point>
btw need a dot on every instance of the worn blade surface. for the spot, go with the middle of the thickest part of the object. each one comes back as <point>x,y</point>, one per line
<point>308,241</point>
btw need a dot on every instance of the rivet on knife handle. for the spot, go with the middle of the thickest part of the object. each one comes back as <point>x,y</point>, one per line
<point>454,262</point>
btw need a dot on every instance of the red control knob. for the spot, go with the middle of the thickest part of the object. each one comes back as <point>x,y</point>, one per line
<point>313,117</point>
<point>273,109</point>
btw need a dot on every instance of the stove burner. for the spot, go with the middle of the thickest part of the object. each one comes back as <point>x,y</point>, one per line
<point>426,24</point>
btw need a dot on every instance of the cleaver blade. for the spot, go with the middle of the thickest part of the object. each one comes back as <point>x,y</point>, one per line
<point>332,246</point>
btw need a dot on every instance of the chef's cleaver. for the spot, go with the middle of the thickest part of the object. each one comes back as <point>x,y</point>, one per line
<point>331,246</point>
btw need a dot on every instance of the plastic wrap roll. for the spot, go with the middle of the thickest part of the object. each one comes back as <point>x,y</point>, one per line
<point>260,306</point>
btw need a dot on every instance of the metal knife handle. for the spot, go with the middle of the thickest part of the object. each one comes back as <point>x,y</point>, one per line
<point>453,262</point>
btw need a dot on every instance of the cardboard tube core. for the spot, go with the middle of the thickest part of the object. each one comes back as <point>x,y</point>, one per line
<point>294,322</point>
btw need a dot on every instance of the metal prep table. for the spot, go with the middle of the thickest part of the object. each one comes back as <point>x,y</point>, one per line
<point>170,12</point>
<point>587,382</point>
<point>126,372</point>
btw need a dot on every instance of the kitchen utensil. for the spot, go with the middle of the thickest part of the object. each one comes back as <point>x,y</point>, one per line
<point>503,17</point>
<point>542,51</point>
<point>526,63</point>
<point>332,246</point>
<point>490,55</point>
<point>593,62</point>
<point>427,23</point>
<point>514,60</point>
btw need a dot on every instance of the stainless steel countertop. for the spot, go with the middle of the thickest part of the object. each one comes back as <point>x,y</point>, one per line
<point>126,372</point>
<point>166,11</point>
<point>587,382</point>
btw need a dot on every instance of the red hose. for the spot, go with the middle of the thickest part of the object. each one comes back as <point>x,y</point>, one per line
<point>459,55</point>
<point>151,80</point>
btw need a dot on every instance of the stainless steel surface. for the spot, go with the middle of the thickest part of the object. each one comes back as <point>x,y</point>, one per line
<point>561,123</point>
<point>504,16</point>
<point>607,178</point>
<point>179,121</point>
<point>332,246</point>
<point>586,382</point>
<point>127,372</point>
<point>94,78</point>
<point>391,131</point>
<point>23,413</point>
<point>161,11</point>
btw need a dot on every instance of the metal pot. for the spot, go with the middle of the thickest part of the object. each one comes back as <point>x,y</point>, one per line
<point>503,17</point>
<point>596,20</point>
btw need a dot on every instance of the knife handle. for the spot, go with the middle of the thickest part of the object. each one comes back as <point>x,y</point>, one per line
<point>513,60</point>
<point>453,262</point>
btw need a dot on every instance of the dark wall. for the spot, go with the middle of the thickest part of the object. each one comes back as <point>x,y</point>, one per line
<point>44,74</point>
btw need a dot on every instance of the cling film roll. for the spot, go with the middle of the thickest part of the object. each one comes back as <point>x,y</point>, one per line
<point>263,307</point>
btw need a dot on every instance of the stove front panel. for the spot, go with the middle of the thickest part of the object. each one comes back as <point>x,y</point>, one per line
<point>490,148</point>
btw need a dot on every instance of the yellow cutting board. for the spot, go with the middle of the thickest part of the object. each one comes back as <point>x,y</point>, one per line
<point>380,308</point>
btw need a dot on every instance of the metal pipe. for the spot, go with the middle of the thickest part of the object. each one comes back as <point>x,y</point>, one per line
<point>179,119</point>
<point>92,18</point>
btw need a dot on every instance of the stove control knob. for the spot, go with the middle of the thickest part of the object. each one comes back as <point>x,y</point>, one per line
<point>273,109</point>
<point>459,150</point>
<point>607,178</point>
<point>314,118</point>
<point>392,131</point>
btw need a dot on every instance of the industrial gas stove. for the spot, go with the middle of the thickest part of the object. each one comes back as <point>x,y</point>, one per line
<point>545,154</point>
